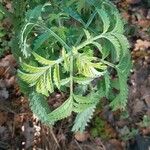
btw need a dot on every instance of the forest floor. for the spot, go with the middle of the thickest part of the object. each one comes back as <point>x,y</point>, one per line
<point>128,130</point>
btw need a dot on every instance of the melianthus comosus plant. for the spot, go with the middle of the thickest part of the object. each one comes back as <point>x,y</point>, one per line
<point>76,47</point>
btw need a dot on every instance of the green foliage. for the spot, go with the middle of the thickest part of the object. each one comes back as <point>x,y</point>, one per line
<point>37,102</point>
<point>146,121</point>
<point>128,134</point>
<point>83,118</point>
<point>71,45</point>
<point>99,129</point>
<point>3,42</point>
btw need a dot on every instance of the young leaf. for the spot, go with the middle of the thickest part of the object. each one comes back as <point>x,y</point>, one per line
<point>56,76</point>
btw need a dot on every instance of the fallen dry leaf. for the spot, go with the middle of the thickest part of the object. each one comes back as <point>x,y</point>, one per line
<point>142,45</point>
<point>2,70</point>
<point>10,82</point>
<point>114,144</point>
<point>146,131</point>
<point>126,16</point>
<point>145,23</point>
<point>133,1</point>
<point>81,136</point>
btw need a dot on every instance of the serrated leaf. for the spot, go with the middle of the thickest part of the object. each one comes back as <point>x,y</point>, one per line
<point>120,101</point>
<point>125,64</point>
<point>90,19</point>
<point>42,60</point>
<point>64,81</point>
<point>87,68</point>
<point>29,78</point>
<point>78,107</point>
<point>82,99</point>
<point>49,83</point>
<point>66,60</point>
<point>25,48</point>
<point>34,14</point>
<point>74,14</point>
<point>107,83</point>
<point>61,112</point>
<point>94,3</point>
<point>119,26</point>
<point>82,119</point>
<point>123,42</point>
<point>56,76</point>
<point>115,83</point>
<point>81,80</point>
<point>106,22</point>
<point>123,70</point>
<point>32,69</point>
<point>40,40</point>
<point>115,44</point>
<point>95,73</point>
<point>106,48</point>
<point>41,87</point>
<point>39,106</point>
<point>82,6</point>
<point>99,66</point>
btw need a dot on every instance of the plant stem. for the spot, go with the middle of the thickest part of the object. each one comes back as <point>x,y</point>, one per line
<point>85,43</point>
<point>107,63</point>
<point>57,37</point>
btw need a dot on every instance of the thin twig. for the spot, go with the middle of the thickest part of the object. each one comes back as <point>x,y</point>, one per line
<point>78,145</point>
<point>55,139</point>
<point>46,143</point>
<point>3,106</point>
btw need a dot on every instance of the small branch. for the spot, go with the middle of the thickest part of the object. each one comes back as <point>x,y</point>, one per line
<point>85,43</point>
<point>78,145</point>
<point>89,41</point>
<point>55,139</point>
